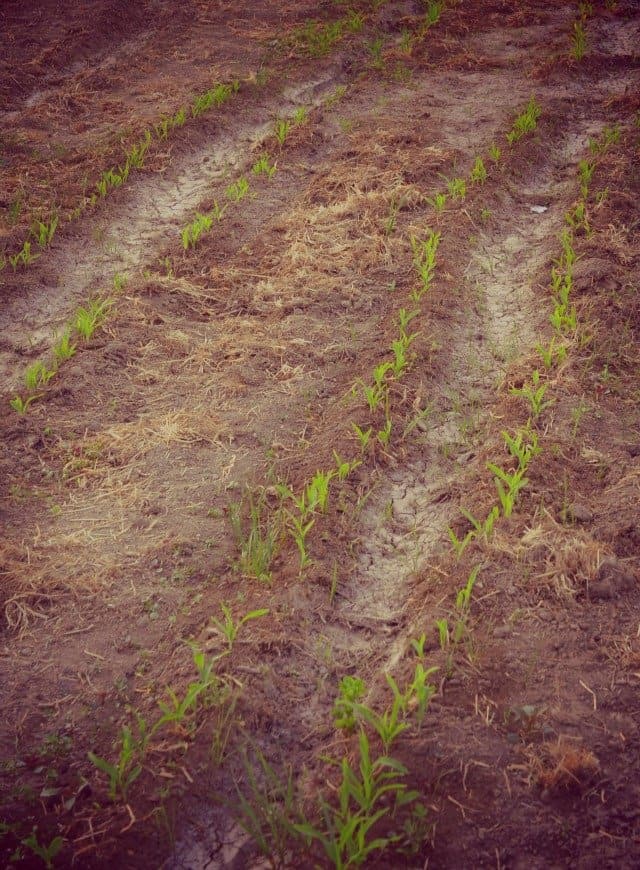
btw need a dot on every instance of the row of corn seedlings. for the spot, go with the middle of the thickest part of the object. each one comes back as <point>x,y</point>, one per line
<point>116,176</point>
<point>523,444</point>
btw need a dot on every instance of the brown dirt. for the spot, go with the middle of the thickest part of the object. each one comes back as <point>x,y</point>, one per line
<point>226,370</point>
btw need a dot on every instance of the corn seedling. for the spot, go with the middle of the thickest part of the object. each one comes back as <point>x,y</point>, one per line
<point>127,768</point>
<point>351,690</point>
<point>37,375</point>
<point>202,223</point>
<point>495,152</point>
<point>479,172</point>
<point>44,232</point>
<point>526,122</point>
<point>564,318</point>
<point>375,50</point>
<point>23,258</point>
<point>45,853</point>
<point>417,645</point>
<point>522,445</point>
<point>365,796</point>
<point>237,190</point>
<point>585,10</point>
<point>534,394</point>
<point>585,170</point>
<point>319,38</point>
<point>406,42</point>
<point>298,528</point>
<point>438,201</point>
<point>400,346</point>
<point>281,129</point>
<point>433,13</point>
<point>460,544</point>
<point>229,629</point>
<point>578,40</point>
<point>363,436</point>
<point>508,484</point>
<point>424,260</point>
<point>264,167</point>
<point>20,405</point>
<point>344,467</point>
<point>553,354</point>
<point>256,538</point>
<point>88,319</point>
<point>300,116</point>
<point>577,219</point>
<point>384,435</point>
<point>63,349</point>
<point>377,393</point>
<point>457,188</point>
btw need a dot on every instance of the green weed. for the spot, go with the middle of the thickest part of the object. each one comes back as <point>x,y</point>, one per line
<point>257,538</point>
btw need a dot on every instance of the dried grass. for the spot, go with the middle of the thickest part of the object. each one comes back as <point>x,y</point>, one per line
<point>568,558</point>
<point>561,765</point>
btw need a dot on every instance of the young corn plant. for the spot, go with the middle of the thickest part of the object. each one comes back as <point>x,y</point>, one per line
<point>526,122</point>
<point>64,349</point>
<point>281,130</point>
<point>424,260</point>
<point>457,188</point>
<point>350,691</point>
<point>228,629</point>
<point>237,190</point>
<point>127,767</point>
<point>479,172</point>
<point>263,166</point>
<point>45,853</point>
<point>553,354</point>
<point>495,153</point>
<point>88,319</point>
<point>438,201</point>
<point>377,394</point>
<point>37,375</point>
<point>23,258</point>
<point>578,40</point>
<point>366,794</point>
<point>363,436</point>
<point>202,223</point>
<point>586,169</point>
<point>522,445</point>
<point>508,484</point>
<point>534,394</point>
<point>20,405</point>
<point>44,232</point>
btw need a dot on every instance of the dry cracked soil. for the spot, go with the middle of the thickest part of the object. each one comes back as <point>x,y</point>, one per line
<point>320,457</point>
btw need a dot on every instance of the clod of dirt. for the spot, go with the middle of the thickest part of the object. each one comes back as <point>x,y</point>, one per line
<point>576,513</point>
<point>611,580</point>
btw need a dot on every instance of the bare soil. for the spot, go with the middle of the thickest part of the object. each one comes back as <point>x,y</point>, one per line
<point>228,370</point>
